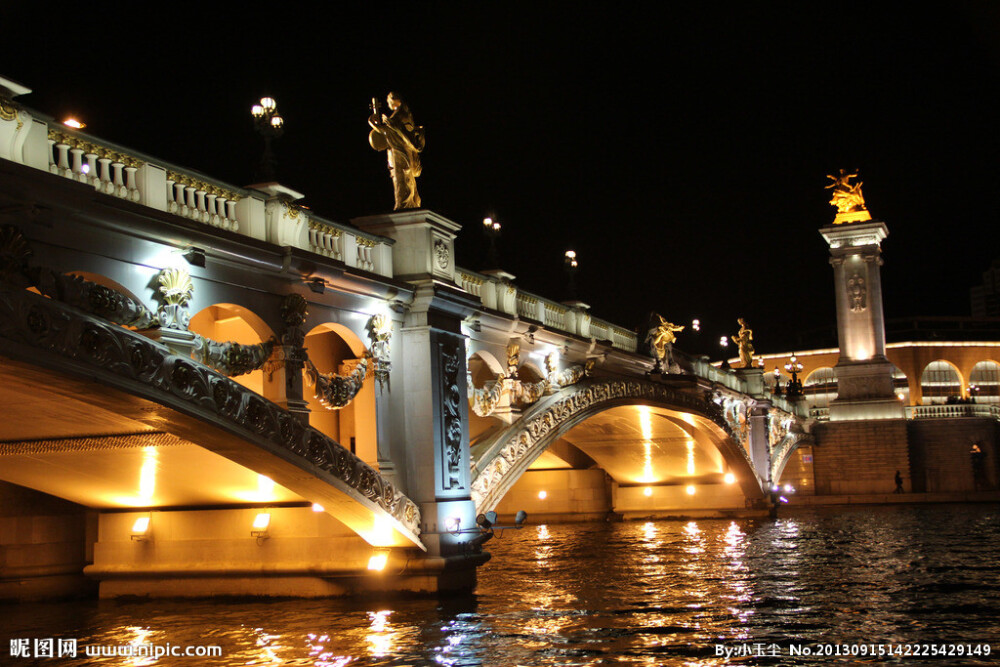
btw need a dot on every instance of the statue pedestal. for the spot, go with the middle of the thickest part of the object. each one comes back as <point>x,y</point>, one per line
<point>425,242</point>
<point>754,379</point>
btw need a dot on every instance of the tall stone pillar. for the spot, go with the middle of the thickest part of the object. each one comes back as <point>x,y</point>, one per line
<point>864,374</point>
<point>430,420</point>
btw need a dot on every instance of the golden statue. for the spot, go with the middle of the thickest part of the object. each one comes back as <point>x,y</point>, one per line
<point>847,197</point>
<point>402,141</point>
<point>743,339</point>
<point>661,339</point>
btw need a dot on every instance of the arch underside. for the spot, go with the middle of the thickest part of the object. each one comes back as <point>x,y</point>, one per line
<point>671,423</point>
<point>114,380</point>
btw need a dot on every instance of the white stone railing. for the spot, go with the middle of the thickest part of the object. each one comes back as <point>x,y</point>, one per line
<point>133,176</point>
<point>957,410</point>
<point>499,294</point>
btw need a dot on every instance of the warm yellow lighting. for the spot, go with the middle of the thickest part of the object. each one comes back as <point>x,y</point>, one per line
<point>690,457</point>
<point>571,254</point>
<point>730,478</point>
<point>648,491</point>
<point>140,526</point>
<point>147,474</point>
<point>257,110</point>
<point>488,222</point>
<point>378,561</point>
<point>316,507</point>
<point>542,495</point>
<point>900,396</point>
<point>268,104</point>
<point>690,489</point>
<point>74,123</point>
<point>262,521</point>
<point>277,121</point>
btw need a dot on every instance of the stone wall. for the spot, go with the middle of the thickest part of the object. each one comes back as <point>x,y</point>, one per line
<point>852,457</point>
<point>45,542</point>
<point>940,453</point>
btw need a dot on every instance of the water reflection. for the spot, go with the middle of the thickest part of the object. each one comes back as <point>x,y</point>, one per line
<point>648,593</point>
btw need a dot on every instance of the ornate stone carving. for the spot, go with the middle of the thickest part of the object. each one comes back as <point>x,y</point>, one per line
<point>233,359</point>
<point>108,351</point>
<point>513,450</point>
<point>337,391</point>
<point>557,379</point>
<point>451,418</point>
<point>176,289</point>
<point>484,401</point>
<point>778,424</point>
<point>441,253</point>
<point>380,333</point>
<point>513,359</point>
<point>857,293</point>
<point>14,253</point>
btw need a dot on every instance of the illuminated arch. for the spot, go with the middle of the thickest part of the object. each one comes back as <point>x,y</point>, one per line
<point>510,452</point>
<point>484,367</point>
<point>985,376</point>
<point>333,348</point>
<point>820,387</point>
<point>231,323</point>
<point>939,381</point>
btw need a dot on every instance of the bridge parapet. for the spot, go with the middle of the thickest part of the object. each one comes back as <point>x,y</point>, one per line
<point>498,292</point>
<point>266,214</point>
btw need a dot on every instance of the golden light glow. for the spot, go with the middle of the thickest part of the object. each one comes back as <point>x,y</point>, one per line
<point>730,478</point>
<point>381,533</point>
<point>316,507</point>
<point>690,456</point>
<point>543,532</point>
<point>378,561</point>
<point>74,123</point>
<point>646,426</point>
<point>262,521</point>
<point>264,493</point>
<point>147,474</point>
<point>542,495</point>
<point>140,526</point>
<point>690,489</point>
<point>648,491</point>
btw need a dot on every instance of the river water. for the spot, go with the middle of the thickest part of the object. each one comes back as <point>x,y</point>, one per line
<point>896,580</point>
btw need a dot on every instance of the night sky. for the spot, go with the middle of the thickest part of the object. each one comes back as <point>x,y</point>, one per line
<point>682,154</point>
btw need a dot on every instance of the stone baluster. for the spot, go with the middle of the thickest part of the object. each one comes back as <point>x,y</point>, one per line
<point>213,215</point>
<point>77,167</point>
<point>130,186</point>
<point>171,204</point>
<point>199,201</point>
<point>93,177</point>
<point>104,177</point>
<point>53,167</point>
<point>231,209</point>
<point>118,186</point>
<point>63,168</point>
<point>190,205</point>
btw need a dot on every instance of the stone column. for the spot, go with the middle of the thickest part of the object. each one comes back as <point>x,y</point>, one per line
<point>760,451</point>
<point>864,374</point>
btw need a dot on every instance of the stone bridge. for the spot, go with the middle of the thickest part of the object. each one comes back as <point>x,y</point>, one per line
<point>233,395</point>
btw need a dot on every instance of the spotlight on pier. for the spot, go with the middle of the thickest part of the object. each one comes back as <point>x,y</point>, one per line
<point>195,256</point>
<point>140,529</point>
<point>260,525</point>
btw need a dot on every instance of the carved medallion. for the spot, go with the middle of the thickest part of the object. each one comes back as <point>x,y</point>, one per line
<point>857,293</point>
<point>441,253</point>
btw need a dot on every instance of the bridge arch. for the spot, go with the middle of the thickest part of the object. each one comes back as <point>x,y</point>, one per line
<point>510,452</point>
<point>335,348</point>
<point>93,362</point>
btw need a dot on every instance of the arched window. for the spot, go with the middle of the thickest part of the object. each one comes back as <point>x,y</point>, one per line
<point>985,377</point>
<point>820,388</point>
<point>940,382</point>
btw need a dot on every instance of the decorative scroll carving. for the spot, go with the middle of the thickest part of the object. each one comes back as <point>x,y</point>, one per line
<point>484,401</point>
<point>31,321</point>
<point>337,391</point>
<point>233,359</point>
<point>516,447</point>
<point>441,253</point>
<point>778,424</point>
<point>857,293</point>
<point>513,359</point>
<point>451,426</point>
<point>557,379</point>
<point>93,298</point>
<point>176,289</point>
<point>380,332</point>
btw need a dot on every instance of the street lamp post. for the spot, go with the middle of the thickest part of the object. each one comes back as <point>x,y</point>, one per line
<point>793,368</point>
<point>491,229</point>
<point>569,260</point>
<point>269,125</point>
<point>777,381</point>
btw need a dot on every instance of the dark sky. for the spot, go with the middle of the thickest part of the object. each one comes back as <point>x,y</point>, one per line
<point>681,153</point>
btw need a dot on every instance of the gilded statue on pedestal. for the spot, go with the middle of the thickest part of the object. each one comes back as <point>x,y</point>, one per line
<point>743,339</point>
<point>402,140</point>
<point>661,340</point>
<point>847,197</point>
